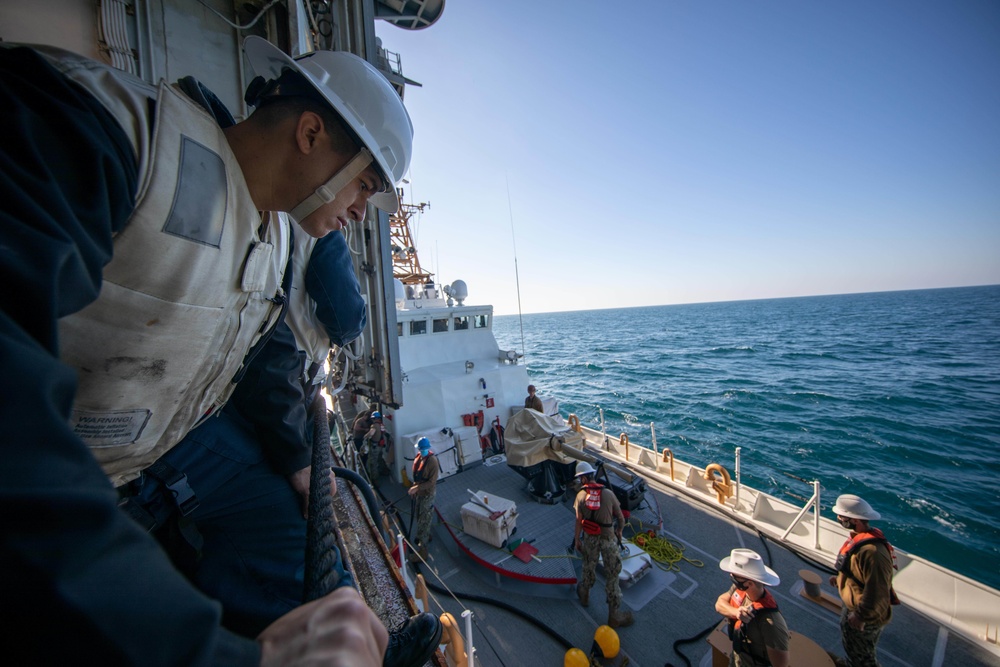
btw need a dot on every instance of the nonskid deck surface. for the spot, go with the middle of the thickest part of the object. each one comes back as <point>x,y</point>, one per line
<point>548,528</point>
<point>668,605</point>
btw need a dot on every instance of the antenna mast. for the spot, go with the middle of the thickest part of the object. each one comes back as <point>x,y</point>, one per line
<point>405,263</point>
<point>517,277</point>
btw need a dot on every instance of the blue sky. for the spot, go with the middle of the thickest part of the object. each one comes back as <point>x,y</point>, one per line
<point>697,151</point>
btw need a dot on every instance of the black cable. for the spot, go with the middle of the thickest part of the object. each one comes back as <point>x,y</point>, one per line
<point>413,511</point>
<point>366,491</point>
<point>503,605</point>
<point>690,640</point>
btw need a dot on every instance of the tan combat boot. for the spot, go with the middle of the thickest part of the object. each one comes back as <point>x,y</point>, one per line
<point>583,594</point>
<point>616,620</point>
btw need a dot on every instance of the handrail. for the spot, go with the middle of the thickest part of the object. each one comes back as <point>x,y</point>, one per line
<point>737,505</point>
<point>805,508</point>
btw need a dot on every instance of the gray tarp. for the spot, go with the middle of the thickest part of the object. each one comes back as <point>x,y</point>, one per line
<point>531,437</point>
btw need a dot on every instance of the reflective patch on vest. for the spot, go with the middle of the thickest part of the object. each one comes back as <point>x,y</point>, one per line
<point>108,429</point>
<point>198,212</point>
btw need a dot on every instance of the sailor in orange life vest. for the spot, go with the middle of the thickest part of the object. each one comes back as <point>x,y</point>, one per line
<point>758,630</point>
<point>596,509</point>
<point>425,474</point>
<point>374,444</point>
<point>864,579</point>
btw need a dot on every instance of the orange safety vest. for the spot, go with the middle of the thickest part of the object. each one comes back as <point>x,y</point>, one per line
<point>593,503</point>
<point>418,467</point>
<point>737,632</point>
<point>737,598</point>
<point>858,540</point>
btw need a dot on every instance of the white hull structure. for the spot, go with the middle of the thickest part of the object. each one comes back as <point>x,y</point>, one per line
<point>451,368</point>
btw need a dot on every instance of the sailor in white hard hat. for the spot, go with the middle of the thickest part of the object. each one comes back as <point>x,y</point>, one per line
<point>599,517</point>
<point>758,630</point>
<point>368,113</point>
<point>865,566</point>
<point>184,211</point>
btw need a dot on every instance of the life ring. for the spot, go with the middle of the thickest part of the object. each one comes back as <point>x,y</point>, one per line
<point>574,423</point>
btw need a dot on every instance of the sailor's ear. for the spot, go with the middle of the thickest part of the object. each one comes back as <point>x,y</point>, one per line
<point>308,130</point>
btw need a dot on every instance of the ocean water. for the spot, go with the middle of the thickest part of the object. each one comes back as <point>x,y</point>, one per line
<point>894,396</point>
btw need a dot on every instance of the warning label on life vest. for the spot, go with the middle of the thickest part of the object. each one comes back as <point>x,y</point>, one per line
<point>107,429</point>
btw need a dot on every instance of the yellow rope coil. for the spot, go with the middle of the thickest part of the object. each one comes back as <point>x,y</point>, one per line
<point>665,553</point>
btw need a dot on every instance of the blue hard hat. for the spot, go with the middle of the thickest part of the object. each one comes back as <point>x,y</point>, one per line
<point>376,415</point>
<point>423,444</point>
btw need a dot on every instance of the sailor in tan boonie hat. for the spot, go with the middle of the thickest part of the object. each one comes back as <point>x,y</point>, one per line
<point>747,563</point>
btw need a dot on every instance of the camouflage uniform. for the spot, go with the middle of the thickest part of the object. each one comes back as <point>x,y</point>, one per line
<point>604,544</point>
<point>373,465</point>
<point>425,473</point>
<point>425,514</point>
<point>859,644</point>
<point>607,548</point>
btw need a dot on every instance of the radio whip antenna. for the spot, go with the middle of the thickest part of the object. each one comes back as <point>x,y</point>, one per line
<point>517,277</point>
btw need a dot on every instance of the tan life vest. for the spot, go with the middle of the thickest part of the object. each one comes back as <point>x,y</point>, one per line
<point>190,289</point>
<point>310,334</point>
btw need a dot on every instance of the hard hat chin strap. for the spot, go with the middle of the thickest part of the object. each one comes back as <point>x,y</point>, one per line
<point>327,192</point>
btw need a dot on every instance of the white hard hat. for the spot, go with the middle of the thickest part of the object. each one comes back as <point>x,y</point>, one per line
<point>584,468</point>
<point>360,94</point>
<point>747,563</point>
<point>854,507</point>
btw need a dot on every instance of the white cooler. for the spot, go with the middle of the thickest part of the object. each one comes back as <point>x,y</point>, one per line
<point>476,519</point>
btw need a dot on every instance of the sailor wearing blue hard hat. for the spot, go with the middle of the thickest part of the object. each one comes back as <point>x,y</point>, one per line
<point>375,443</point>
<point>425,475</point>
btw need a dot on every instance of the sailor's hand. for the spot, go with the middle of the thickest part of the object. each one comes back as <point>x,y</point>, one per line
<point>576,544</point>
<point>300,482</point>
<point>746,614</point>
<point>338,630</point>
<point>855,621</point>
<point>833,581</point>
<point>412,490</point>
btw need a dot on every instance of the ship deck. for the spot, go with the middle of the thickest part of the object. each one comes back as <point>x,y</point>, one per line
<point>669,605</point>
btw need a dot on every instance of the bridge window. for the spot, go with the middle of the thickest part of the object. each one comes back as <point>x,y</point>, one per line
<point>418,327</point>
<point>461,323</point>
<point>480,321</point>
<point>440,325</point>
<point>399,329</point>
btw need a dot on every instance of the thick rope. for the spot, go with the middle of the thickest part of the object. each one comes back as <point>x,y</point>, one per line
<point>321,544</point>
<point>665,553</point>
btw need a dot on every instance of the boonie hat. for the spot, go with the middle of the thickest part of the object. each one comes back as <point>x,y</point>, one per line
<point>747,563</point>
<point>854,507</point>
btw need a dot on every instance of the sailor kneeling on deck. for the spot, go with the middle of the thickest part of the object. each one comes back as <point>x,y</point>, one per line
<point>425,474</point>
<point>596,510</point>
<point>758,630</point>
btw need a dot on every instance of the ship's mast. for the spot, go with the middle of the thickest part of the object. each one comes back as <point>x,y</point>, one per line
<point>405,263</point>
